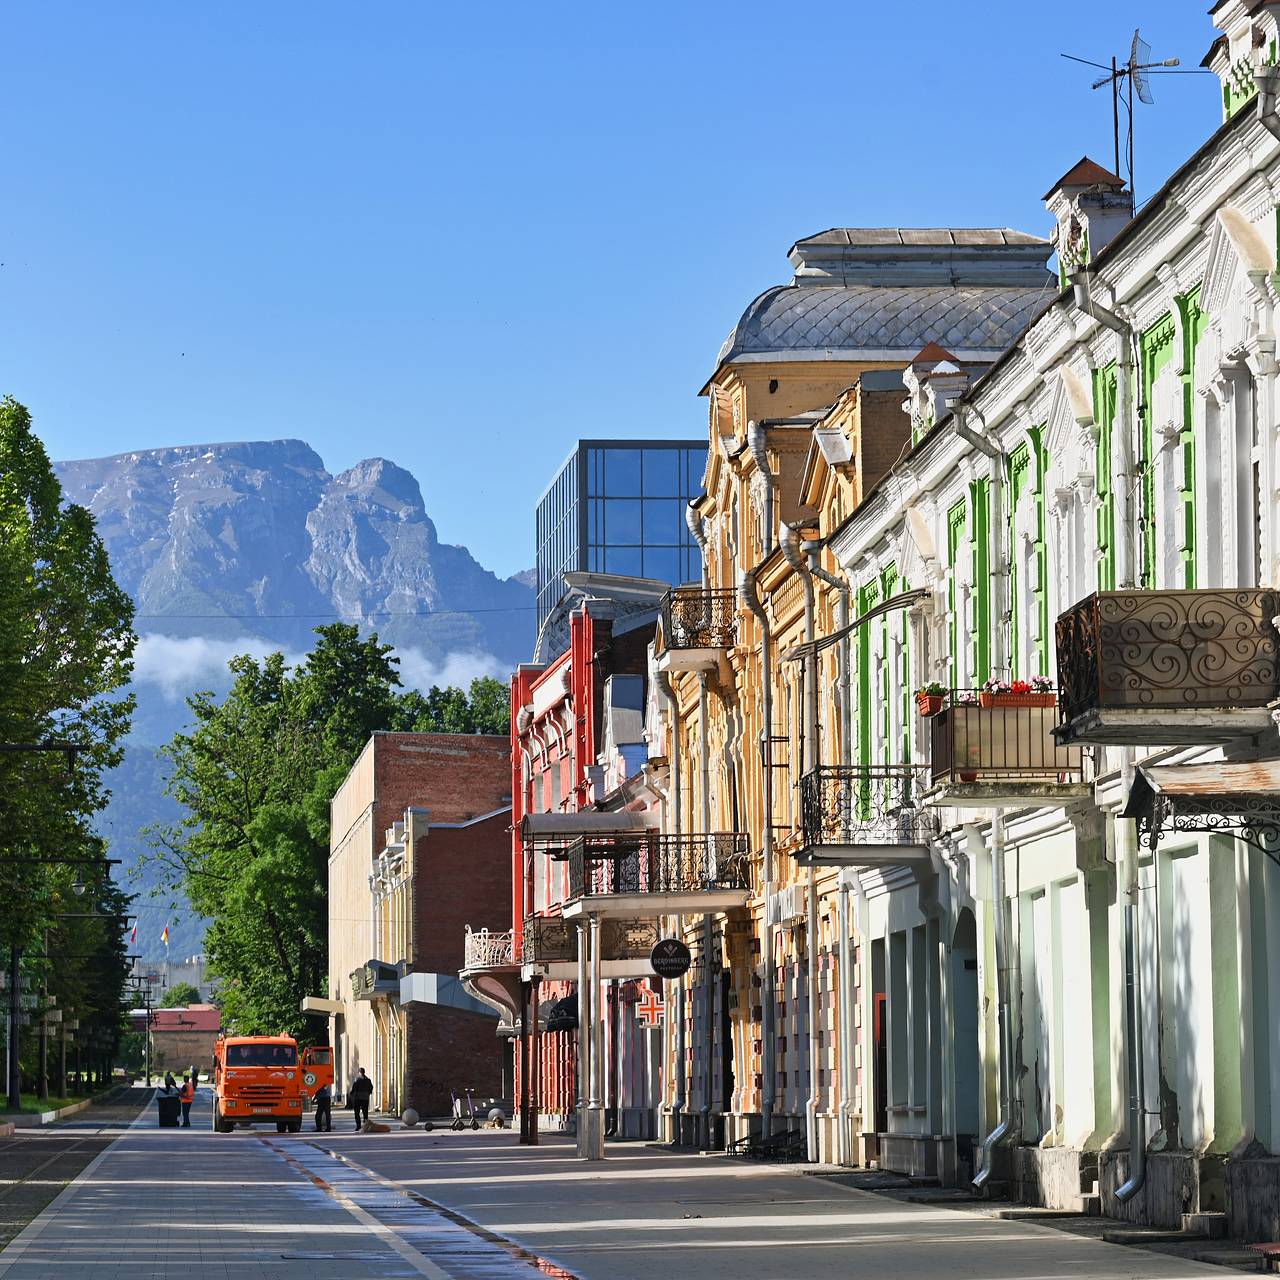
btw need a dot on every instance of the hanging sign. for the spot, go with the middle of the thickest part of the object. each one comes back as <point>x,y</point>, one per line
<point>670,958</point>
<point>650,1007</point>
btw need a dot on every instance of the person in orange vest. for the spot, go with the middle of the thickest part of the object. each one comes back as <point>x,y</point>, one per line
<point>187,1095</point>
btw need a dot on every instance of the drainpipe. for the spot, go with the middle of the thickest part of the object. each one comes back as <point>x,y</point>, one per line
<point>845,676</point>
<point>663,681</point>
<point>843,1145</point>
<point>757,438</point>
<point>1127,849</point>
<point>750,598</point>
<point>791,549</point>
<point>708,980</point>
<point>697,527</point>
<point>1004,1125</point>
<point>1268,81</point>
<point>1128,389</point>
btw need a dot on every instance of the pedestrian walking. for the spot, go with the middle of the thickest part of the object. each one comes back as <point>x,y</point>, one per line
<point>324,1111</point>
<point>359,1094</point>
<point>187,1095</point>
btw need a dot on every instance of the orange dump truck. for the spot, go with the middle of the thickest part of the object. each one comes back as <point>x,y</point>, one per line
<point>264,1079</point>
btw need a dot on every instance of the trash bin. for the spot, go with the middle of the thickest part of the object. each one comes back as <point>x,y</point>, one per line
<point>169,1106</point>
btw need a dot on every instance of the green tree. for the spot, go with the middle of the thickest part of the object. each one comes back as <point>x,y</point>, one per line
<point>486,709</point>
<point>180,995</point>
<point>66,653</point>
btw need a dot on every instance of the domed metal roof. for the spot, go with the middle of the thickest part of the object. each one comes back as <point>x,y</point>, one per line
<point>821,322</point>
<point>884,293</point>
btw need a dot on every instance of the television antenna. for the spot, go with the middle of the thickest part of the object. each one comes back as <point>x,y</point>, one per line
<point>1126,79</point>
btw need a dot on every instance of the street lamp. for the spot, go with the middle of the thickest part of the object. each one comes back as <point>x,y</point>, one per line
<point>78,885</point>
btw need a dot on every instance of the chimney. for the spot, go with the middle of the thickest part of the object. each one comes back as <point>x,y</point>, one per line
<point>1091,206</point>
<point>934,381</point>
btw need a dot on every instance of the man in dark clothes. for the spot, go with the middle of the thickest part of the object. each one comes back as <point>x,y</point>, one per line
<point>359,1094</point>
<point>324,1113</point>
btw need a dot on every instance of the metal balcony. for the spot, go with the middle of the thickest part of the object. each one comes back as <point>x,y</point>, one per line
<point>1167,668</point>
<point>864,815</point>
<point>547,939</point>
<point>485,950</point>
<point>697,625</point>
<point>651,874</point>
<point>1002,753</point>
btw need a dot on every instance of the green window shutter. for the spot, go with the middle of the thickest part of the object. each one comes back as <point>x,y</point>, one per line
<point>1193,322</point>
<point>1155,349</point>
<point>955,536</point>
<point>980,492</point>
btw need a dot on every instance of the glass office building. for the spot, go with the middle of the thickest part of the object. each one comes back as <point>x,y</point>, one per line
<point>618,506</point>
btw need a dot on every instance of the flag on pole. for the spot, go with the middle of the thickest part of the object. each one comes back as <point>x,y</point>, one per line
<point>164,937</point>
<point>133,933</point>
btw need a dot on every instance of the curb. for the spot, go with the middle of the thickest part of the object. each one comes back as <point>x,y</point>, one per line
<point>38,1119</point>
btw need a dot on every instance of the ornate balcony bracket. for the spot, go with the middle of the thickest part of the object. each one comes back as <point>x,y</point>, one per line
<point>1242,800</point>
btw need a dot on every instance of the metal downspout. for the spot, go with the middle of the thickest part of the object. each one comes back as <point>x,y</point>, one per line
<point>750,598</point>
<point>1127,846</point>
<point>1268,82</point>
<point>791,549</point>
<point>1128,392</point>
<point>845,1002</point>
<point>1004,1125</point>
<point>708,927</point>
<point>697,527</point>
<point>663,681</point>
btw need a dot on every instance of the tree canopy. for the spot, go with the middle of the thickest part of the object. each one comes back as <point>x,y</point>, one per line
<point>66,655</point>
<point>255,774</point>
<point>180,995</point>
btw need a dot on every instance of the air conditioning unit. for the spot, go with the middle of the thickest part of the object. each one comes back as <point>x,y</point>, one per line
<point>787,906</point>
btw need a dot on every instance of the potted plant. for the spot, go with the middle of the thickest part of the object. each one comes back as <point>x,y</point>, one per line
<point>930,697</point>
<point>1042,694</point>
<point>992,690</point>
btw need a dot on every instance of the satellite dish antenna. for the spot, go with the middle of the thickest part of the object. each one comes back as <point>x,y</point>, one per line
<point>1126,80</point>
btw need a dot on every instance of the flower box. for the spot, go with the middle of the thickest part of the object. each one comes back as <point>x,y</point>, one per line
<point>1017,699</point>
<point>929,704</point>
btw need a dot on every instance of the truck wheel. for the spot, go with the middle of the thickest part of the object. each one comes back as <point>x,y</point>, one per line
<point>295,1126</point>
<point>281,1125</point>
<point>219,1124</point>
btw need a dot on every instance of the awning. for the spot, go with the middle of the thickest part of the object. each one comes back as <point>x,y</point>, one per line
<point>1240,798</point>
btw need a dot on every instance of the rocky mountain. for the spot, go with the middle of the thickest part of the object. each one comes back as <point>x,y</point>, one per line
<point>246,547</point>
<point>258,538</point>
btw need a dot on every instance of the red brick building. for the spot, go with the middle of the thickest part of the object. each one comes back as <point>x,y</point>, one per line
<point>183,1038</point>
<point>419,847</point>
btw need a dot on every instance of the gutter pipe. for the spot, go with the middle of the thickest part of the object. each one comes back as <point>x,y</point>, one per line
<point>663,681</point>
<point>1268,82</point>
<point>708,929</point>
<point>749,596</point>
<point>697,527</point>
<point>1128,392</point>
<point>791,549</point>
<point>1127,847</point>
<point>757,439</point>
<point>1004,1125</point>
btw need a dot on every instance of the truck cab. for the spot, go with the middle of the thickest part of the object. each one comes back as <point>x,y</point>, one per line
<point>265,1079</point>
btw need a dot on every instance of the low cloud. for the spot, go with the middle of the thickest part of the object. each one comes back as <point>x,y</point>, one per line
<point>417,671</point>
<point>177,666</point>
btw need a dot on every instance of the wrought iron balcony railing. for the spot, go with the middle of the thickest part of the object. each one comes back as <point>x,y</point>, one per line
<point>654,863</point>
<point>485,950</point>
<point>547,939</point>
<point>1010,740</point>
<point>1168,650</point>
<point>864,805</point>
<point>694,618</point>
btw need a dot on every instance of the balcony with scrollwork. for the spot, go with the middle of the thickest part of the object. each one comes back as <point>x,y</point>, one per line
<point>865,815</point>
<point>1168,668</point>
<point>486,949</point>
<point>648,874</point>
<point>998,749</point>
<point>698,626</point>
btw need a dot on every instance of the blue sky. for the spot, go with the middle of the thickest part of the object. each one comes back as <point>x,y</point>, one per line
<point>461,237</point>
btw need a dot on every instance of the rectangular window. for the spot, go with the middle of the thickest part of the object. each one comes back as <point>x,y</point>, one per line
<point>664,521</point>
<point>662,473</point>
<point>622,523</point>
<point>622,473</point>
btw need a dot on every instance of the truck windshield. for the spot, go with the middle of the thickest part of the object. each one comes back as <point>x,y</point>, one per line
<point>262,1055</point>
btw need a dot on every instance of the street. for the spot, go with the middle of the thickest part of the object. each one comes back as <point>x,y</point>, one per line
<point>165,1203</point>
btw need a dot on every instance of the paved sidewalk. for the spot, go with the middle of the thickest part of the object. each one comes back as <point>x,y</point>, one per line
<point>647,1214</point>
